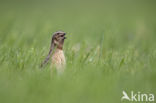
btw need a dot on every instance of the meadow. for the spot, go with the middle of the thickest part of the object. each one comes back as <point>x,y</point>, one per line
<point>110,48</point>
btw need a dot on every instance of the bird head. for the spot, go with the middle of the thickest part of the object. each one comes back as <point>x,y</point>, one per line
<point>58,39</point>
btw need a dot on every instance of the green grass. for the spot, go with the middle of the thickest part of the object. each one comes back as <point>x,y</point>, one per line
<point>109,48</point>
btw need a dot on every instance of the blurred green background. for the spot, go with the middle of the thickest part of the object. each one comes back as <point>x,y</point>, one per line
<point>110,47</point>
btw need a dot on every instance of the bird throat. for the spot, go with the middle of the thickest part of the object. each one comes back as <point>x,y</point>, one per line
<point>60,47</point>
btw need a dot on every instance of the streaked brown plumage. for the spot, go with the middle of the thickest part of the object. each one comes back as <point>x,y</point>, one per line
<point>58,58</point>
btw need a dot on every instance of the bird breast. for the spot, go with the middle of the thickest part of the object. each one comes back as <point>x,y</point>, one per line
<point>58,59</point>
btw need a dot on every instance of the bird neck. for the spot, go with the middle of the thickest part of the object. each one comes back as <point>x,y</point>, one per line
<point>60,47</point>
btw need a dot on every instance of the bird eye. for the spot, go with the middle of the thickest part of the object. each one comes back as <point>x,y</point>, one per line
<point>62,35</point>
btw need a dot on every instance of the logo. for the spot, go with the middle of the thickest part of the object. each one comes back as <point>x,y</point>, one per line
<point>137,97</point>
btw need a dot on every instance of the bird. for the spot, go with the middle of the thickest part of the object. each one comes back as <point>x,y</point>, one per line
<point>58,58</point>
